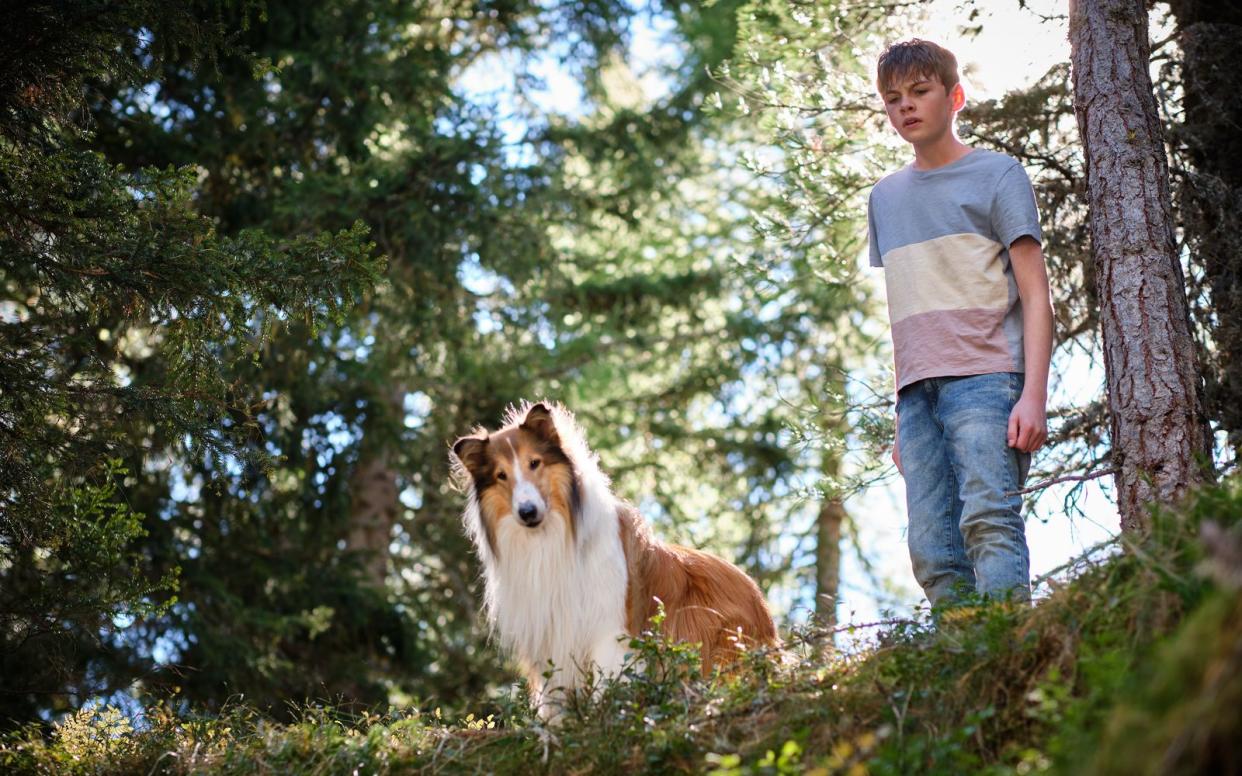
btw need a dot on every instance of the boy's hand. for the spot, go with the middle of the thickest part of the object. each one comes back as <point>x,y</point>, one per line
<point>1028,423</point>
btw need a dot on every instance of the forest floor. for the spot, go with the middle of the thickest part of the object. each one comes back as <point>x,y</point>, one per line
<point>1132,665</point>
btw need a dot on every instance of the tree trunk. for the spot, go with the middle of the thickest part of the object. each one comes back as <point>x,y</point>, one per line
<point>373,491</point>
<point>1210,34</point>
<point>832,513</point>
<point>374,499</point>
<point>828,559</point>
<point>1160,440</point>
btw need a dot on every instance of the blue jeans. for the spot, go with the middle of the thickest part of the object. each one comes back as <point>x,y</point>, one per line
<point>966,533</point>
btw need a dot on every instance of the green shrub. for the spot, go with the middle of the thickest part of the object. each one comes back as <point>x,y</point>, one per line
<point>1132,666</point>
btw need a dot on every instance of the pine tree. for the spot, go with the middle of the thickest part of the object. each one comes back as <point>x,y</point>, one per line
<point>106,268</point>
<point>567,273</point>
<point>806,101</point>
<point>1159,431</point>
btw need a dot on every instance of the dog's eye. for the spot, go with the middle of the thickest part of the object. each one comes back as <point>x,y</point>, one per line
<point>534,463</point>
<point>502,476</point>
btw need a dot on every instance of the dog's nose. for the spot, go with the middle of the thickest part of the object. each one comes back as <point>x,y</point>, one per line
<point>528,514</point>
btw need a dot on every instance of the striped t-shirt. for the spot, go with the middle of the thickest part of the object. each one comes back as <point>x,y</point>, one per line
<point>942,237</point>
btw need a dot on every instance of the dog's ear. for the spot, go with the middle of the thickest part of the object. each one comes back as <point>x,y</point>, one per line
<point>472,452</point>
<point>539,422</point>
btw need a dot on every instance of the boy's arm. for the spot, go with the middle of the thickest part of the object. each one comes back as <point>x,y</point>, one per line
<point>1028,423</point>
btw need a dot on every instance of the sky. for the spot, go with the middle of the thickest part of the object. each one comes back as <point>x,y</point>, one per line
<point>1014,48</point>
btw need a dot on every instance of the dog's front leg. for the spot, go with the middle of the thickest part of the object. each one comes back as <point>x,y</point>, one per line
<point>549,701</point>
<point>608,656</point>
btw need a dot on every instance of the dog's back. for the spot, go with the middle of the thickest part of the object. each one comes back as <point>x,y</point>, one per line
<point>706,599</point>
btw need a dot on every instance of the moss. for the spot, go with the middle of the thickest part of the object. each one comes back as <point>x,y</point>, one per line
<point>1187,715</point>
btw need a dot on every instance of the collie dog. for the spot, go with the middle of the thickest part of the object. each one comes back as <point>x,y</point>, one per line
<point>571,571</point>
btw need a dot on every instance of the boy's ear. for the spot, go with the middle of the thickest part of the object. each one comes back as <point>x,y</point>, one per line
<point>958,96</point>
<point>472,452</point>
<point>539,422</point>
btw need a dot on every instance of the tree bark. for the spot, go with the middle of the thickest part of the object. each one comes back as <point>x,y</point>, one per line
<point>1159,435</point>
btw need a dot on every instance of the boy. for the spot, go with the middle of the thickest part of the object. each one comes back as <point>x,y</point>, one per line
<point>958,236</point>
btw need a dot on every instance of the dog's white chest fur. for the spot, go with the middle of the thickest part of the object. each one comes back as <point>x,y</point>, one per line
<point>555,599</point>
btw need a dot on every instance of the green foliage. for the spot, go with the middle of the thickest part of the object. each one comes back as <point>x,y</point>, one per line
<point>193,291</point>
<point>264,277</point>
<point>1131,666</point>
<point>592,262</point>
<point>122,310</point>
<point>804,125</point>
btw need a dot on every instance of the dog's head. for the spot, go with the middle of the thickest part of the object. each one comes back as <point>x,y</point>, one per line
<point>520,473</point>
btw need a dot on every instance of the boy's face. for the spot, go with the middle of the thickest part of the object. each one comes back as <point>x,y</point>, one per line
<point>920,108</point>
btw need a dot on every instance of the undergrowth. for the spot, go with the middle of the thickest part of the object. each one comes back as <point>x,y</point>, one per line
<point>1132,665</point>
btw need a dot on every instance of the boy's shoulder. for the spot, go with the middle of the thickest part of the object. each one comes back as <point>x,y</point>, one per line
<point>972,169</point>
<point>984,193</point>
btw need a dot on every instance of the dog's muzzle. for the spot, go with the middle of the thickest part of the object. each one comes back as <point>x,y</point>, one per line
<point>528,513</point>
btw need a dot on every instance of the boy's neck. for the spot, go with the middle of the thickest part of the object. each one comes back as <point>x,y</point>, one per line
<point>946,150</point>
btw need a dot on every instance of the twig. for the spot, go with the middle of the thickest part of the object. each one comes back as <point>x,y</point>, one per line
<point>877,624</point>
<point>1075,561</point>
<point>821,633</point>
<point>1067,478</point>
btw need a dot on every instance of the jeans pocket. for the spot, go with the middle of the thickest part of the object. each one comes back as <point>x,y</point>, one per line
<point>1017,381</point>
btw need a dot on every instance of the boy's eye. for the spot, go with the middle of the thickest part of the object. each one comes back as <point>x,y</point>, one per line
<point>502,476</point>
<point>534,463</point>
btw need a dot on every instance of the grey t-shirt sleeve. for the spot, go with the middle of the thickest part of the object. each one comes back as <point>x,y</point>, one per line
<point>873,242</point>
<point>1014,213</point>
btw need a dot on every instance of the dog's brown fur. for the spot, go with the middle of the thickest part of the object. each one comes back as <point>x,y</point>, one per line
<point>707,600</point>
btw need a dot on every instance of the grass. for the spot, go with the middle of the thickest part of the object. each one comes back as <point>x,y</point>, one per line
<point>1134,665</point>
